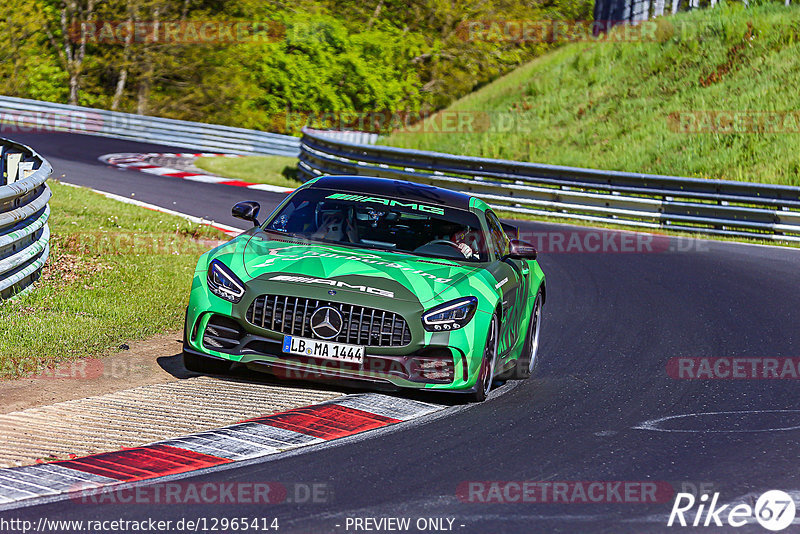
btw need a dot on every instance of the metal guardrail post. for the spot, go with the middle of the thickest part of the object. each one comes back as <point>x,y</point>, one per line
<point>696,205</point>
<point>24,211</point>
<point>29,115</point>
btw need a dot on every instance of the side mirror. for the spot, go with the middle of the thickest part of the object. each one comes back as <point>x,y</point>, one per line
<point>247,210</point>
<point>521,250</point>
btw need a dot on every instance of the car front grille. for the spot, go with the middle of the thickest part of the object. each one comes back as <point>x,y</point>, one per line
<point>361,326</point>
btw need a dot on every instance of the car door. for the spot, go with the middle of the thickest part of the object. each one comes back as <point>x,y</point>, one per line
<point>511,280</point>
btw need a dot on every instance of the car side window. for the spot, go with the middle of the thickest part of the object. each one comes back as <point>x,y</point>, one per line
<point>498,240</point>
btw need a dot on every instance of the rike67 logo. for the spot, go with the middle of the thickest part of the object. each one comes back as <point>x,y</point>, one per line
<point>774,510</point>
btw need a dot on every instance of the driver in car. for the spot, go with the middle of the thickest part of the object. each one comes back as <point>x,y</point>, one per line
<point>465,240</point>
<point>335,225</point>
<point>460,238</point>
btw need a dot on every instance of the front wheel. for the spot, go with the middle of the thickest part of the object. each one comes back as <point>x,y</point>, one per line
<point>486,375</point>
<point>528,360</point>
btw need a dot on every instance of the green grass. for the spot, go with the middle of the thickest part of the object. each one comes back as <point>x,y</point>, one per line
<point>608,105</point>
<point>273,170</point>
<point>117,273</point>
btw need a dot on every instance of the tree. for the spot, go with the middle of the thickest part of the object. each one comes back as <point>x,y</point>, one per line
<point>68,37</point>
<point>30,69</point>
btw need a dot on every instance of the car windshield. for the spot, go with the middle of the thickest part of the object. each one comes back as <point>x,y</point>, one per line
<point>382,223</point>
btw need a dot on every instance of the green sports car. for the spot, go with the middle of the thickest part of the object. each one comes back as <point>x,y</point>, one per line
<point>386,283</point>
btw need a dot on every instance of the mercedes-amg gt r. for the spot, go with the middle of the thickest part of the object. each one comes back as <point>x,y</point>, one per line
<point>386,282</point>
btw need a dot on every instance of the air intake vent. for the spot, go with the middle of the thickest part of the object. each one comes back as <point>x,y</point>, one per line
<point>222,333</point>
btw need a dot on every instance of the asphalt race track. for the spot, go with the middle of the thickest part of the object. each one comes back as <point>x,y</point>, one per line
<point>612,322</point>
<point>74,160</point>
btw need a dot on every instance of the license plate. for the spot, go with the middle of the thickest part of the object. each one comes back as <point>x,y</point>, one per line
<point>327,350</point>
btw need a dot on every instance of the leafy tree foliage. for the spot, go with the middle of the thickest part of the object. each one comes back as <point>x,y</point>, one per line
<point>321,55</point>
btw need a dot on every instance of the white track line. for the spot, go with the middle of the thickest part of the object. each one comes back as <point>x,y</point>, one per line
<point>228,230</point>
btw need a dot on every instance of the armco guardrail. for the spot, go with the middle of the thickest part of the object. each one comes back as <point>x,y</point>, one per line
<point>24,234</point>
<point>640,200</point>
<point>33,115</point>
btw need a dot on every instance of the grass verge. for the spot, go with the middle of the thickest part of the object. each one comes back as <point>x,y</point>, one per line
<point>116,273</point>
<point>273,170</point>
<point>651,106</point>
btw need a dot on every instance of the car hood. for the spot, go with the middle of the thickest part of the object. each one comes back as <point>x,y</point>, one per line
<point>383,274</point>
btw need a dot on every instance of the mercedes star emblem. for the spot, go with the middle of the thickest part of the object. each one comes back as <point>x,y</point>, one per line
<point>326,322</point>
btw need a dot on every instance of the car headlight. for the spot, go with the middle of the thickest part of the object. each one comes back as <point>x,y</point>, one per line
<point>223,283</point>
<point>450,316</point>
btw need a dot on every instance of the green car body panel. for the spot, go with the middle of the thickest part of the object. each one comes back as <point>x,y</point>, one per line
<point>390,281</point>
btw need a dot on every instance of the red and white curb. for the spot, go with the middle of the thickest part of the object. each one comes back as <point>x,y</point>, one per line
<point>141,162</point>
<point>254,438</point>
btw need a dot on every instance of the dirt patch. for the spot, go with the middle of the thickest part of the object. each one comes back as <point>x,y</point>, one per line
<point>64,268</point>
<point>733,60</point>
<point>153,361</point>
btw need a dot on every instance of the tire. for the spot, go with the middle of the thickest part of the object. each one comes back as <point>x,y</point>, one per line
<point>486,374</point>
<point>529,360</point>
<point>206,366</point>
